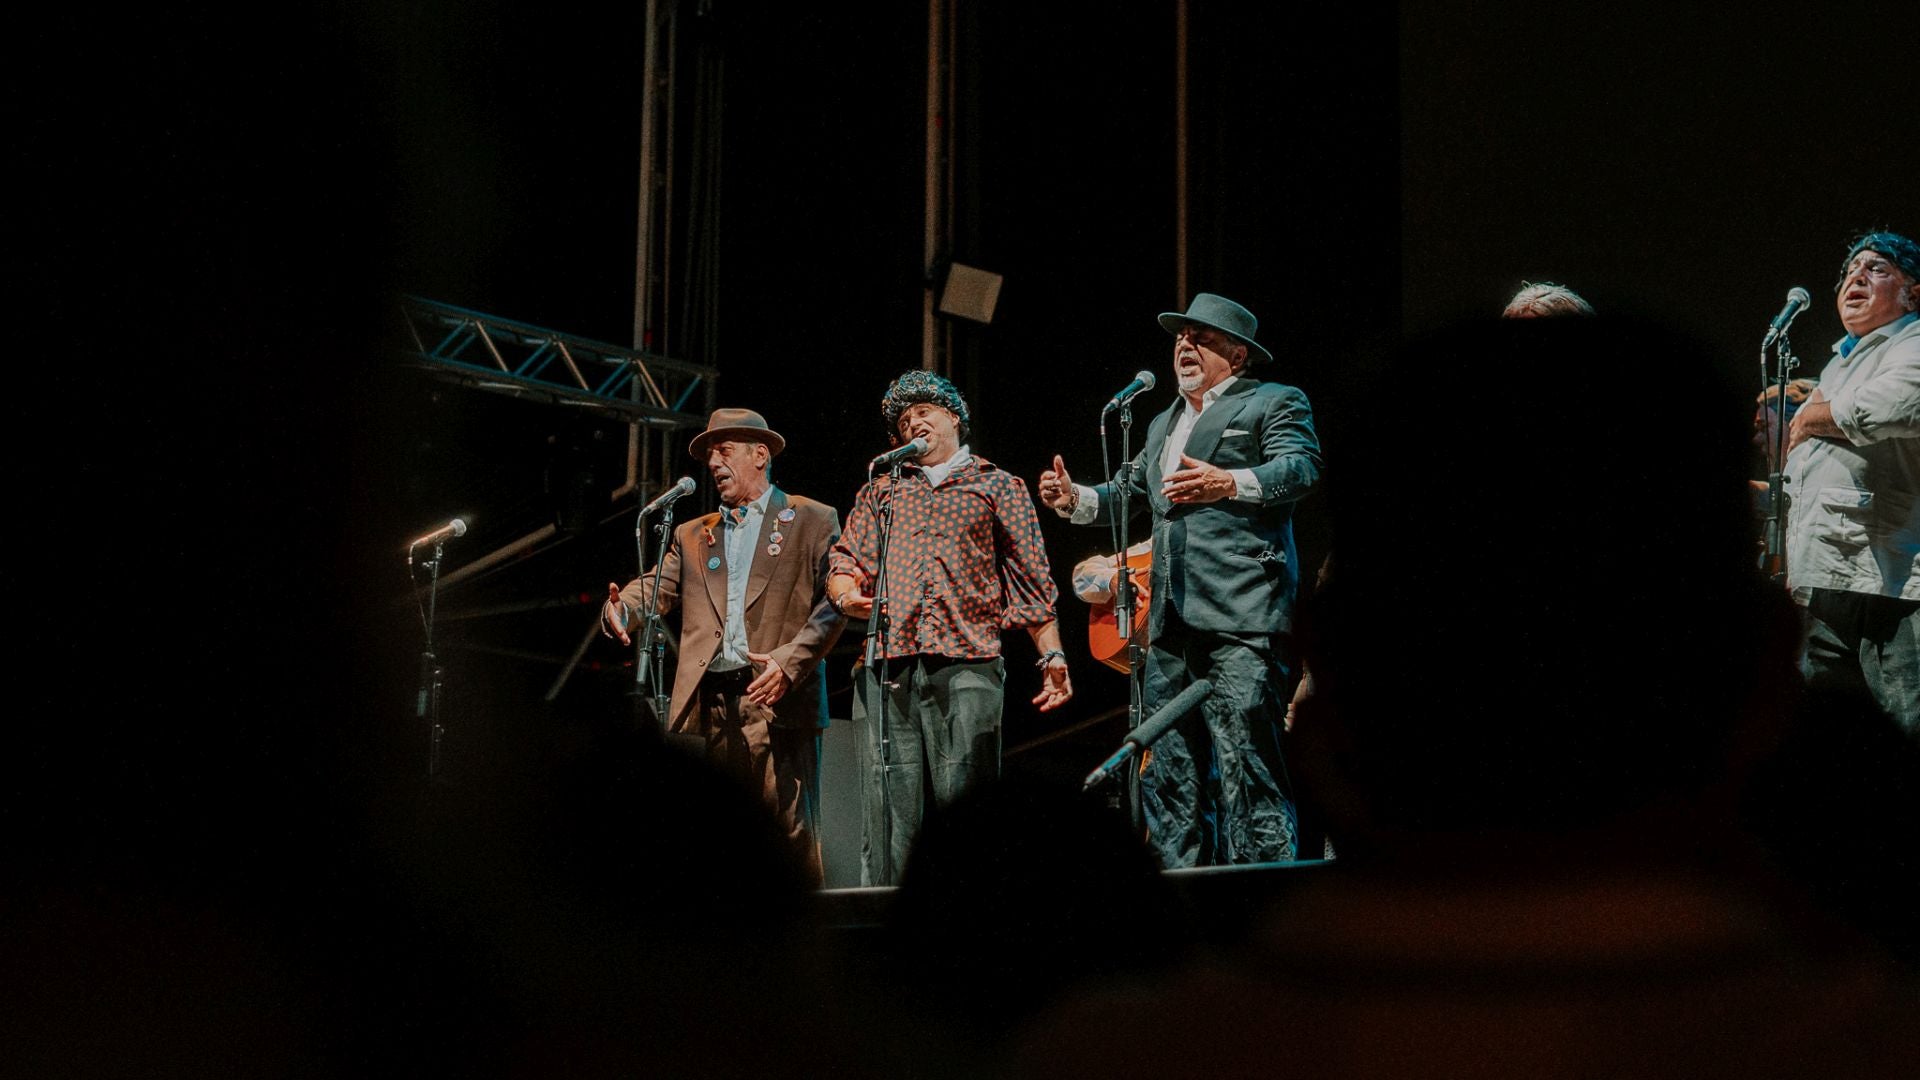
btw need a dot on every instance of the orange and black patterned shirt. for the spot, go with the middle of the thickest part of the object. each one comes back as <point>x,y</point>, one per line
<point>964,560</point>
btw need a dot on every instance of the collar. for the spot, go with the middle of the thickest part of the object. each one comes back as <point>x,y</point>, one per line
<point>1847,344</point>
<point>756,506</point>
<point>937,474</point>
<point>1212,395</point>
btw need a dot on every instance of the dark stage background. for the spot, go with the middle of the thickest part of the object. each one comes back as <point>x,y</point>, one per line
<point>215,459</point>
<point>1065,185</point>
<point>1371,175</point>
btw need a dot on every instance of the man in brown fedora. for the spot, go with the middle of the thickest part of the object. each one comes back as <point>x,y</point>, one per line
<point>750,583</point>
<point>1221,469</point>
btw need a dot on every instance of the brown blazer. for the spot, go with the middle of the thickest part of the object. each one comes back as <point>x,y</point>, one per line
<point>788,615</point>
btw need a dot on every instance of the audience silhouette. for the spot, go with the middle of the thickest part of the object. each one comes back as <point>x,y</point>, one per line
<point>1549,674</point>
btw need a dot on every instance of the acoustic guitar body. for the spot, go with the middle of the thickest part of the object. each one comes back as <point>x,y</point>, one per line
<point>1103,629</point>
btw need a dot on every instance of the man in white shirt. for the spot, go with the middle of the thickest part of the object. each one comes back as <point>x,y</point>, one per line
<point>1853,469</point>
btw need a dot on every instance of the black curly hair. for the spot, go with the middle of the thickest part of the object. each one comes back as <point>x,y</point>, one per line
<point>921,387</point>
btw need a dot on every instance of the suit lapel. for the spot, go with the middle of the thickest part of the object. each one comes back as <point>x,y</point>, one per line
<point>762,562</point>
<point>715,579</point>
<point>1156,449</point>
<point>1205,437</point>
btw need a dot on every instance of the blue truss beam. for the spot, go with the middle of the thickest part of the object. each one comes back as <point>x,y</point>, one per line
<point>532,362</point>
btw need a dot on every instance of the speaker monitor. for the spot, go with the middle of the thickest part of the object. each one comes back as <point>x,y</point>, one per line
<point>970,293</point>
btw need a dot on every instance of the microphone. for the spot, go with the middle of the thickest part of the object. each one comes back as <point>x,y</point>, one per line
<point>1144,736</point>
<point>898,454</point>
<point>1797,300</point>
<point>456,527</point>
<point>1141,383</point>
<point>681,488</point>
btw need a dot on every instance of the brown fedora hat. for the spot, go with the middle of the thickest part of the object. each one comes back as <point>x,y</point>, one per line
<point>736,424</point>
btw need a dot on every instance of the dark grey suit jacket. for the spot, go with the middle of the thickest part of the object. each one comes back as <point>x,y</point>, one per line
<point>1229,566</point>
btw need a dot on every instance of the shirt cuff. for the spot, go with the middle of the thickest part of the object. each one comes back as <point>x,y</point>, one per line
<point>1245,487</point>
<point>1840,406</point>
<point>1086,508</point>
<point>1093,580</point>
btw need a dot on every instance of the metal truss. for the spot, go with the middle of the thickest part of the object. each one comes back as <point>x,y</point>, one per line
<point>507,357</point>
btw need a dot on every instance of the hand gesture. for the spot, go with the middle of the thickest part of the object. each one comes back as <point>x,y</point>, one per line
<point>1197,482</point>
<point>1815,419</point>
<point>612,616</point>
<point>1056,686</point>
<point>1767,414</point>
<point>1056,487</point>
<point>771,684</point>
<point>855,604</point>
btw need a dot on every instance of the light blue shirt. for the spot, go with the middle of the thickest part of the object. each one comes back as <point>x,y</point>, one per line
<point>740,540</point>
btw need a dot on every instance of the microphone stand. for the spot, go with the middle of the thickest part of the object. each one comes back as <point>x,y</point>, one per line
<point>652,660</point>
<point>427,700</point>
<point>1124,598</point>
<point>1777,375</point>
<point>878,662</point>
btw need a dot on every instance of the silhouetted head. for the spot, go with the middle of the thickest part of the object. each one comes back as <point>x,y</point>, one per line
<point>1016,890</point>
<point>1545,300</point>
<point>1547,611</point>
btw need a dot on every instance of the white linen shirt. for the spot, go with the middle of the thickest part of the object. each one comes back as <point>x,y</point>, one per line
<point>1854,520</point>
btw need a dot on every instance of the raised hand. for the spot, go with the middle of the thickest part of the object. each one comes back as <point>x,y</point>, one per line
<point>1056,486</point>
<point>613,617</point>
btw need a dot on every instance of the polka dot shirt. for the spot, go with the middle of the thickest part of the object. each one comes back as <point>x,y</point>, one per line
<point>964,560</point>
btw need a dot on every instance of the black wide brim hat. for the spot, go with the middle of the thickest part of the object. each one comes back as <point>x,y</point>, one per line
<point>1222,314</point>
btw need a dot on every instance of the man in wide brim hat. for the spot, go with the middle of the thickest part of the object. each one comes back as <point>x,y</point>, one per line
<point>755,624</point>
<point>1222,314</point>
<point>1221,470</point>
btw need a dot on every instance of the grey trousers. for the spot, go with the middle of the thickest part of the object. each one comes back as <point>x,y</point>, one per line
<point>942,734</point>
<point>1867,644</point>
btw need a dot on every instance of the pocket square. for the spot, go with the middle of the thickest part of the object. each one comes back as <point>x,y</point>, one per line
<point>1230,432</point>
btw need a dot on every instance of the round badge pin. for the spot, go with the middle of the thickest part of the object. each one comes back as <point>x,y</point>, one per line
<point>787,514</point>
<point>713,563</point>
<point>777,538</point>
<point>773,549</point>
